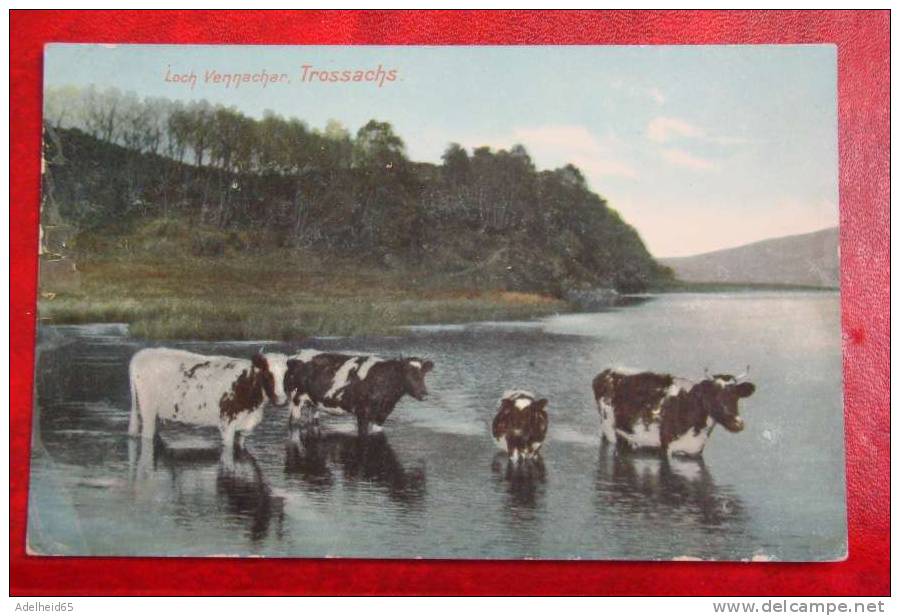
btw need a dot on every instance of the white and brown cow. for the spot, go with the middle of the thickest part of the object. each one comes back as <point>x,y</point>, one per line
<point>204,390</point>
<point>670,414</point>
<point>520,426</point>
<point>366,386</point>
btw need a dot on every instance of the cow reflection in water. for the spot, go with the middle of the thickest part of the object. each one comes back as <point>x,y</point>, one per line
<point>676,489</point>
<point>244,490</point>
<point>201,482</point>
<point>524,480</point>
<point>315,457</point>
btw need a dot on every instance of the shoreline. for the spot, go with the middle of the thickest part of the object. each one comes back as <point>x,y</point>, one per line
<point>484,307</point>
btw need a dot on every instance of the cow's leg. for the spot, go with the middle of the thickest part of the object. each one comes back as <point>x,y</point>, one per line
<point>607,421</point>
<point>134,425</point>
<point>623,445</point>
<point>310,412</point>
<point>362,424</point>
<point>512,449</point>
<point>294,415</point>
<point>314,428</point>
<point>301,412</point>
<point>362,421</point>
<point>148,425</point>
<point>229,431</point>
<point>134,450</point>
<point>541,470</point>
<point>146,459</point>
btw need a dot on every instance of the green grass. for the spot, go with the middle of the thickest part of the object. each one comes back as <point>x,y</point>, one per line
<point>283,295</point>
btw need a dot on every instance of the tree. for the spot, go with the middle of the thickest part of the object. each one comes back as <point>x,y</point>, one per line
<point>272,143</point>
<point>201,120</point>
<point>335,148</point>
<point>101,113</point>
<point>179,129</point>
<point>377,146</point>
<point>64,106</point>
<point>456,164</point>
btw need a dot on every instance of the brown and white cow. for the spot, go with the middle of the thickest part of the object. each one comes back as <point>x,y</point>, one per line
<point>520,426</point>
<point>205,390</point>
<point>660,411</point>
<point>366,386</point>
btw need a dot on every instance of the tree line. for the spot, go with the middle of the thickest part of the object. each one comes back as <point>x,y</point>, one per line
<point>486,215</point>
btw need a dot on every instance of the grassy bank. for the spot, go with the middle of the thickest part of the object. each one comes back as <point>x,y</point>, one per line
<point>170,279</point>
<point>282,295</point>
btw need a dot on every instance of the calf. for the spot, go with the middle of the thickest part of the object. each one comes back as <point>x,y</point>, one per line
<point>659,411</point>
<point>520,425</point>
<point>203,390</point>
<point>364,385</point>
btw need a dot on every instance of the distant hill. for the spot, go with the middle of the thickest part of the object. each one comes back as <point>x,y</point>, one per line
<point>807,259</point>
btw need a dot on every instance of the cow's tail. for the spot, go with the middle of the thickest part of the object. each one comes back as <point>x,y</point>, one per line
<point>134,421</point>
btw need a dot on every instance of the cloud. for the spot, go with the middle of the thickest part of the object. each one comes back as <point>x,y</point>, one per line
<point>682,158</point>
<point>663,129</point>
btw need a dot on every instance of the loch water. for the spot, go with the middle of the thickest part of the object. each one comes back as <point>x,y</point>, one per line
<point>432,485</point>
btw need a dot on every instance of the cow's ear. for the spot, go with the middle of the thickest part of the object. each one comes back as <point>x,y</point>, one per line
<point>744,390</point>
<point>539,405</point>
<point>427,366</point>
<point>259,362</point>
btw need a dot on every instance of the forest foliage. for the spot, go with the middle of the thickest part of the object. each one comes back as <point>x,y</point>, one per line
<point>115,162</point>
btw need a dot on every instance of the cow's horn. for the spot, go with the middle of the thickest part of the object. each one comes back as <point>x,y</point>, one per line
<point>706,373</point>
<point>743,376</point>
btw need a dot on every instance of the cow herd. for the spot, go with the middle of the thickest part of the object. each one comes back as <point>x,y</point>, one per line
<point>638,411</point>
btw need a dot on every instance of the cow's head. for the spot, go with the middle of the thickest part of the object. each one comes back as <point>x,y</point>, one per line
<point>525,412</point>
<point>265,380</point>
<point>414,371</point>
<point>720,396</point>
<point>277,363</point>
<point>291,380</point>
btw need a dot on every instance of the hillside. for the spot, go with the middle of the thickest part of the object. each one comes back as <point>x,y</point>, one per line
<point>810,259</point>
<point>195,222</point>
<point>489,218</point>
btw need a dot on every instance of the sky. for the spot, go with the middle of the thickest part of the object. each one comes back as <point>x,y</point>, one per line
<point>698,147</point>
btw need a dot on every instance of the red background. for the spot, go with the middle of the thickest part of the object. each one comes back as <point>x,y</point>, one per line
<point>863,43</point>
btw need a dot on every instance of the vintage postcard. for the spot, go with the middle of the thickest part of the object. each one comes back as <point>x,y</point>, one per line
<point>439,302</point>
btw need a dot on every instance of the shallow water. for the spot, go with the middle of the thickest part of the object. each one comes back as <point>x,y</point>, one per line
<point>431,484</point>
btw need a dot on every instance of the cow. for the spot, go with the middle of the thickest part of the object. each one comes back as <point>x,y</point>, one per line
<point>203,390</point>
<point>520,426</point>
<point>366,386</point>
<point>666,413</point>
